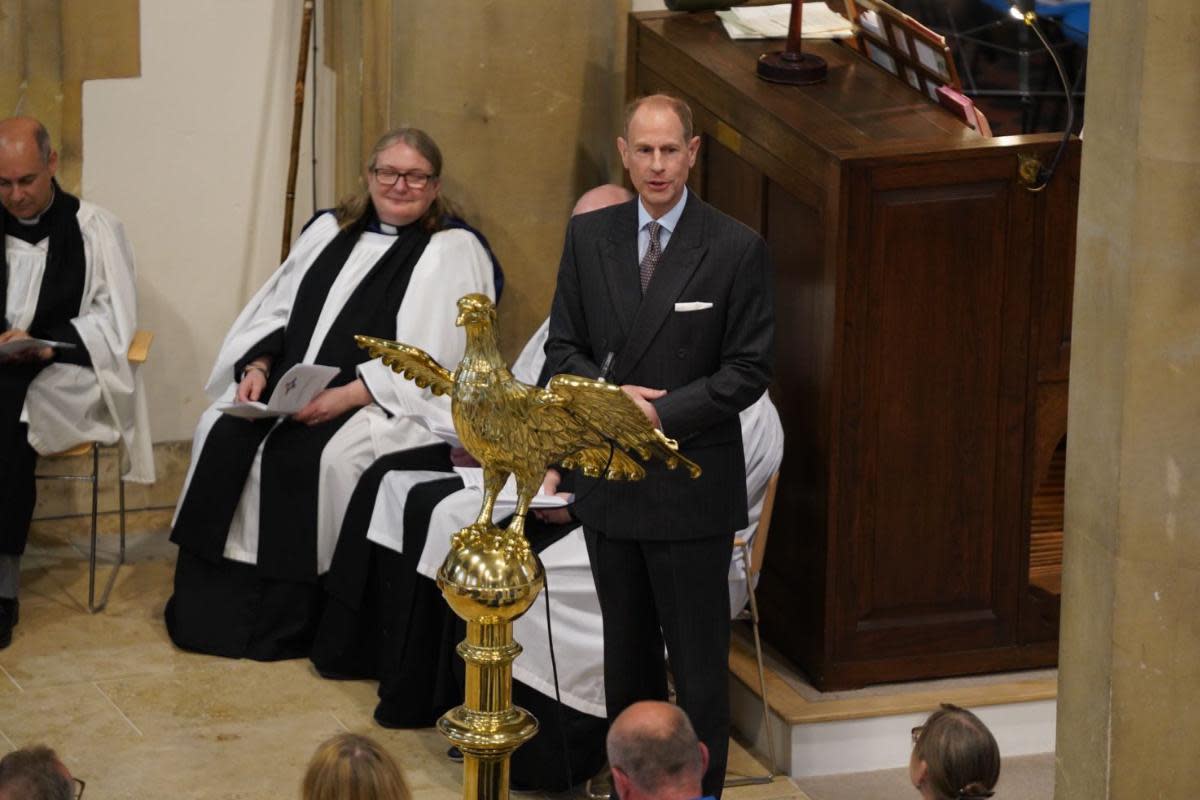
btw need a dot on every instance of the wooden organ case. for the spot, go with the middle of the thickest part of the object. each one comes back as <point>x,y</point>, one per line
<point>923,298</point>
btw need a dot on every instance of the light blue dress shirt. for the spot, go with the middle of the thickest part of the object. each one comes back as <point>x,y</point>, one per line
<point>668,221</point>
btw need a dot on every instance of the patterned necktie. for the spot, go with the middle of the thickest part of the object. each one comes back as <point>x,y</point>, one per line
<point>653,254</point>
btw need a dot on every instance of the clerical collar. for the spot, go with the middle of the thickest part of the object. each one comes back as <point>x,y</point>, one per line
<point>36,228</point>
<point>376,225</point>
<point>36,218</point>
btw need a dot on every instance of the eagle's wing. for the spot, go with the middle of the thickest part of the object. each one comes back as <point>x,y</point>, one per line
<point>411,362</point>
<point>603,413</point>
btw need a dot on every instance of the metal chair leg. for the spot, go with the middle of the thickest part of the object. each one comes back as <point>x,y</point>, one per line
<point>95,513</point>
<point>94,606</point>
<point>121,501</point>
<point>756,780</point>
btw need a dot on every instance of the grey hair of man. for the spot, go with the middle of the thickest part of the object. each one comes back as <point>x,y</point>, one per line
<point>35,773</point>
<point>656,747</point>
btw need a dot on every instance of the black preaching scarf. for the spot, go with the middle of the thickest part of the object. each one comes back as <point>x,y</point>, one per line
<point>291,457</point>
<point>61,294</point>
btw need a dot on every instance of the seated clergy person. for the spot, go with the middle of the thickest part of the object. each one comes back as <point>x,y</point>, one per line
<point>264,499</point>
<point>67,277</point>
<point>386,618</point>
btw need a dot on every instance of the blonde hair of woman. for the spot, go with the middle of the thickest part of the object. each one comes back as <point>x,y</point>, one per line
<point>353,767</point>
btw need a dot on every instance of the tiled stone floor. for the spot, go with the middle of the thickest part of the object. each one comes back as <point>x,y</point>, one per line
<point>137,718</point>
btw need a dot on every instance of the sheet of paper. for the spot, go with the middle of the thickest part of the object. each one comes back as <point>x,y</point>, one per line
<point>18,346</point>
<point>295,389</point>
<point>771,22</point>
<point>506,501</point>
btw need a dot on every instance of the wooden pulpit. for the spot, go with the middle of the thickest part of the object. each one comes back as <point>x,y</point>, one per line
<point>923,298</point>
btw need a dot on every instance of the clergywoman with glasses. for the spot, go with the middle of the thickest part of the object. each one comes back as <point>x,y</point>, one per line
<point>264,498</point>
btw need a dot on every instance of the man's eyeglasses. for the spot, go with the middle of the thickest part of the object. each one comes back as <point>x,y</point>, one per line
<point>413,180</point>
<point>79,787</point>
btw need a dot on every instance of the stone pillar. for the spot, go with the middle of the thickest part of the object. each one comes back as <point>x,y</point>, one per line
<point>524,99</point>
<point>1129,681</point>
<point>48,48</point>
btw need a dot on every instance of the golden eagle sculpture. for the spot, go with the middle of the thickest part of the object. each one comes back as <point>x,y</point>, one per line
<point>510,427</point>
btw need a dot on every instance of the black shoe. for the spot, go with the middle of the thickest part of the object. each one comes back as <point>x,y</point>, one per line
<point>455,755</point>
<point>10,612</point>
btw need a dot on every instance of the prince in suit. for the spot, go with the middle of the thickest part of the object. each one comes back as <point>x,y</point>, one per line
<point>671,299</point>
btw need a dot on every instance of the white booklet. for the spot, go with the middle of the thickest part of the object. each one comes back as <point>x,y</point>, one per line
<point>506,501</point>
<point>298,385</point>
<point>16,347</point>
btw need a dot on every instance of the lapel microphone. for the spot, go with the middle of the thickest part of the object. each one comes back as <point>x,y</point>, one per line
<point>606,367</point>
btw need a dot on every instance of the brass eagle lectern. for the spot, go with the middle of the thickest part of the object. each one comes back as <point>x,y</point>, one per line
<point>491,577</point>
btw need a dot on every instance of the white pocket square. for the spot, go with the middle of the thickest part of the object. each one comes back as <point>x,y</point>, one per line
<point>692,306</point>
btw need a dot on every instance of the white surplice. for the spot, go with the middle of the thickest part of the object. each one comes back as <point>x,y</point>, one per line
<point>454,263</point>
<point>68,404</point>
<point>575,609</point>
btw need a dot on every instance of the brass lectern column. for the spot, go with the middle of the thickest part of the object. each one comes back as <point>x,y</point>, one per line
<point>489,579</point>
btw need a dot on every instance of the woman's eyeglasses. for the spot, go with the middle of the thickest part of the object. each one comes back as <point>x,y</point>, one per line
<point>413,180</point>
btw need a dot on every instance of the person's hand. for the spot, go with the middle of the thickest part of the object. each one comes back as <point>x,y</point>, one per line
<point>553,516</point>
<point>253,384</point>
<point>459,457</point>
<point>29,356</point>
<point>332,403</point>
<point>641,397</point>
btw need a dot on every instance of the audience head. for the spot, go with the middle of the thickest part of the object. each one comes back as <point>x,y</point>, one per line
<point>403,180</point>
<point>35,773</point>
<point>608,194</point>
<point>658,149</point>
<point>654,753</point>
<point>955,757</point>
<point>353,767</point>
<point>27,167</point>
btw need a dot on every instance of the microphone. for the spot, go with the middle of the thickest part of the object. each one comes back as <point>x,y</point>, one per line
<point>606,366</point>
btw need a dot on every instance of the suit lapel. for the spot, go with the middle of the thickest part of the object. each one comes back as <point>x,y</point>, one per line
<point>683,255</point>
<point>619,255</point>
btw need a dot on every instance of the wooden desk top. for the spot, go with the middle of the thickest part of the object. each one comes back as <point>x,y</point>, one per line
<point>860,111</point>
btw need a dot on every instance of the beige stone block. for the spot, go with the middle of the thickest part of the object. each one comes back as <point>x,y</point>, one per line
<point>1141,711</point>
<point>525,106</point>
<point>58,642</point>
<point>1116,38</point>
<point>1170,82</point>
<point>71,718</point>
<point>1145,615</point>
<point>1085,644</point>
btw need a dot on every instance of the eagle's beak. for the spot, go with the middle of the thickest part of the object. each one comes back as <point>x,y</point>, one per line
<point>462,318</point>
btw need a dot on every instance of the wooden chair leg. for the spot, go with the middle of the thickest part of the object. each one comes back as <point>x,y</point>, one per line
<point>756,780</point>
